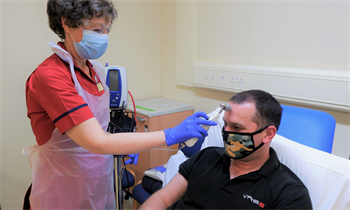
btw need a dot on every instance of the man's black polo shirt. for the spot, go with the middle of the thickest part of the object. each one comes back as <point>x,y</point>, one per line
<point>273,186</point>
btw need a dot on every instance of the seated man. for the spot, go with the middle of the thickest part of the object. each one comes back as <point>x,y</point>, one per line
<point>245,174</point>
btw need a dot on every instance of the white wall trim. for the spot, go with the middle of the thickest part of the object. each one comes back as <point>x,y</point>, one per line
<point>325,74</point>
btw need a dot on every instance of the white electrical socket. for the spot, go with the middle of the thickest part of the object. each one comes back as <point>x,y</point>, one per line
<point>236,80</point>
<point>205,77</point>
<point>209,77</point>
<point>221,78</point>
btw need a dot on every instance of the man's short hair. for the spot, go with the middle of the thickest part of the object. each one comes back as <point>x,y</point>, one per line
<point>268,109</point>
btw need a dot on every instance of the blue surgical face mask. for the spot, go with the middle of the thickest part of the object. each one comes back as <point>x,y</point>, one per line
<point>239,145</point>
<point>92,46</point>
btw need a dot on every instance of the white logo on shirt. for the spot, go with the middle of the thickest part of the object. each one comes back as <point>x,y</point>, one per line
<point>255,201</point>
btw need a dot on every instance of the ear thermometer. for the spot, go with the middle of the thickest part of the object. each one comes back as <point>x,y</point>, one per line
<point>213,116</point>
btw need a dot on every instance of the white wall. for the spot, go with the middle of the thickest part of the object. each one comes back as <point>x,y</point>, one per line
<point>134,44</point>
<point>143,40</point>
<point>305,34</point>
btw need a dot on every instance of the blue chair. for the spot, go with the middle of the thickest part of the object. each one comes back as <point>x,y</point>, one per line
<point>128,179</point>
<point>309,127</point>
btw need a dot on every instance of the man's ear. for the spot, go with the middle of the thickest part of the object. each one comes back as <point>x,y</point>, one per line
<point>269,134</point>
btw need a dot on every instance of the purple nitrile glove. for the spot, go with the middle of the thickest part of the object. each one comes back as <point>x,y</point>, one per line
<point>189,128</point>
<point>133,159</point>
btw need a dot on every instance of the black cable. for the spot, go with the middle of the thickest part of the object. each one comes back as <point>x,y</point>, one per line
<point>119,123</point>
<point>127,193</point>
<point>114,127</point>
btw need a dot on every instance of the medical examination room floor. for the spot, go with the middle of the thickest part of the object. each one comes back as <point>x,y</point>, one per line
<point>127,204</point>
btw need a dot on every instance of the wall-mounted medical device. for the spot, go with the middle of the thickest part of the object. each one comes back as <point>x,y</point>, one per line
<point>118,87</point>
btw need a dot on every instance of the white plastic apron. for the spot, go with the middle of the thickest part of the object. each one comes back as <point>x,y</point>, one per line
<point>67,176</point>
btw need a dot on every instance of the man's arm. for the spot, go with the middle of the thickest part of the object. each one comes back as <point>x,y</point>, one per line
<point>295,198</point>
<point>165,197</point>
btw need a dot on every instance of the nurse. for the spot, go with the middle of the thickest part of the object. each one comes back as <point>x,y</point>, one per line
<point>68,107</point>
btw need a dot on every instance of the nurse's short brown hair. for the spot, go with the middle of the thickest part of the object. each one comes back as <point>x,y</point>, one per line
<point>75,11</point>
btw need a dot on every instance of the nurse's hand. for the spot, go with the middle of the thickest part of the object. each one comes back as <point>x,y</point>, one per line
<point>133,159</point>
<point>189,128</point>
